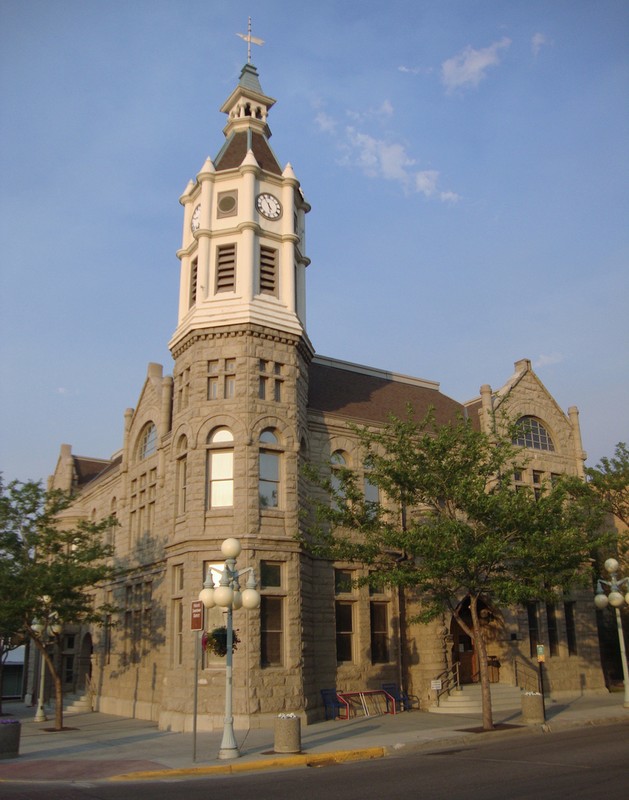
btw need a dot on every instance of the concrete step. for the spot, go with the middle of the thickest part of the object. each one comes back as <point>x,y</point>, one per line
<point>77,704</point>
<point>468,699</point>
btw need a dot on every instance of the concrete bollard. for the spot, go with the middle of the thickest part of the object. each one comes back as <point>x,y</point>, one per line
<point>287,734</point>
<point>533,709</point>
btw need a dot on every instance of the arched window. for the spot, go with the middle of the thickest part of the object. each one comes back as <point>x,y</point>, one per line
<point>531,433</point>
<point>269,469</point>
<point>181,489</point>
<point>220,469</point>
<point>338,461</point>
<point>148,442</point>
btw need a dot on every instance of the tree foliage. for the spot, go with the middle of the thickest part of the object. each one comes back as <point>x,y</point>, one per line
<point>451,527</point>
<point>48,572</point>
<point>609,480</point>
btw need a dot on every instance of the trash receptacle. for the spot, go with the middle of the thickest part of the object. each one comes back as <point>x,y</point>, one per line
<point>533,708</point>
<point>287,734</point>
<point>10,730</point>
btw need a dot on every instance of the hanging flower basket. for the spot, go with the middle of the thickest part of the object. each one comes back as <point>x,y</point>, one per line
<point>215,641</point>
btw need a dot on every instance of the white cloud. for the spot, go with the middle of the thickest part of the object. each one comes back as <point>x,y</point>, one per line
<point>468,68</point>
<point>415,70</point>
<point>325,122</point>
<point>547,360</point>
<point>538,41</point>
<point>381,158</point>
<point>426,181</point>
<point>378,158</point>
<point>449,197</point>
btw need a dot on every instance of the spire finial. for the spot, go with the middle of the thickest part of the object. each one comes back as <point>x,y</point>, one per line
<point>249,38</point>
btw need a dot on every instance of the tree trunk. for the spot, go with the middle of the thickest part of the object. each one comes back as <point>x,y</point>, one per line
<point>481,651</point>
<point>58,701</point>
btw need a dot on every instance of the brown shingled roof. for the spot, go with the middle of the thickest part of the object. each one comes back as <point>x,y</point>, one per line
<point>236,149</point>
<point>366,397</point>
<point>88,468</point>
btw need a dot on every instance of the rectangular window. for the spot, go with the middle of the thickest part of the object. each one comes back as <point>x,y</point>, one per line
<point>271,614</point>
<point>262,388</point>
<point>226,268</point>
<point>178,579</point>
<point>269,479</point>
<point>177,614</point>
<point>142,504</point>
<point>182,484</point>
<point>177,631</point>
<point>379,613</point>
<point>537,483</point>
<point>271,631</point>
<point>268,270</point>
<point>553,634</point>
<point>372,492</point>
<point>531,612</point>
<point>221,373</point>
<point>344,630</point>
<point>230,378</point>
<point>344,610</point>
<point>193,283</point>
<point>270,574</point>
<point>571,628</point>
<point>183,389</point>
<point>221,472</point>
<point>277,391</point>
<point>343,581</point>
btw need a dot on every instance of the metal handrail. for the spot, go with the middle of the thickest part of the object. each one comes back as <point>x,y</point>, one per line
<point>450,679</point>
<point>526,676</point>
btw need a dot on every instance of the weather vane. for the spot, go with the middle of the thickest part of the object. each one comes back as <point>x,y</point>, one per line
<point>249,38</point>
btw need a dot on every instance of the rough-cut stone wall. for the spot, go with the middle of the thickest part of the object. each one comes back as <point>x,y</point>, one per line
<point>144,677</point>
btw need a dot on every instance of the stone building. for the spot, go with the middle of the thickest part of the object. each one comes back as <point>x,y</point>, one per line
<point>215,450</point>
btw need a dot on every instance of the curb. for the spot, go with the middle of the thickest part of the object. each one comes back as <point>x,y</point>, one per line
<point>362,754</point>
<point>297,760</point>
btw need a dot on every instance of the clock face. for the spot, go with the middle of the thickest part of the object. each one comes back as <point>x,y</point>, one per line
<point>195,222</point>
<point>269,206</point>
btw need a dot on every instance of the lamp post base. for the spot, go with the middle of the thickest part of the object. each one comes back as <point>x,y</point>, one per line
<point>228,752</point>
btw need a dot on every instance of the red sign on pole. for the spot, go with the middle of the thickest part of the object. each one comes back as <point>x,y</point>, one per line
<point>196,617</point>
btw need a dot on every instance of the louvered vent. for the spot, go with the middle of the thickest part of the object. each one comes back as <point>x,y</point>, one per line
<point>226,268</point>
<point>193,283</point>
<point>268,270</point>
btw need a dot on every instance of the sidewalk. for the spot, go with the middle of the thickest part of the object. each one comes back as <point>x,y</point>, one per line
<point>101,746</point>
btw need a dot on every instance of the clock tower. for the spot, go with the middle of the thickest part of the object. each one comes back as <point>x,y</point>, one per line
<point>242,255</point>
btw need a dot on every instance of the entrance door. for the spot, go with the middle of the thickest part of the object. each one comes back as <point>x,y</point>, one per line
<point>463,652</point>
<point>463,646</point>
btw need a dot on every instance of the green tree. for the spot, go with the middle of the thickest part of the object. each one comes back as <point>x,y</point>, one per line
<point>48,571</point>
<point>609,482</point>
<point>452,529</point>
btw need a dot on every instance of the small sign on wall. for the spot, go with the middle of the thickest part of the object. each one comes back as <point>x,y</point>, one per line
<point>196,616</point>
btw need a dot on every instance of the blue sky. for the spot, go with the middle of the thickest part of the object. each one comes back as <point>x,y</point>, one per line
<point>466,162</point>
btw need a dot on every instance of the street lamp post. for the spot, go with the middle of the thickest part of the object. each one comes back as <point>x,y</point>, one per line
<point>228,595</point>
<point>44,630</point>
<point>615,597</point>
